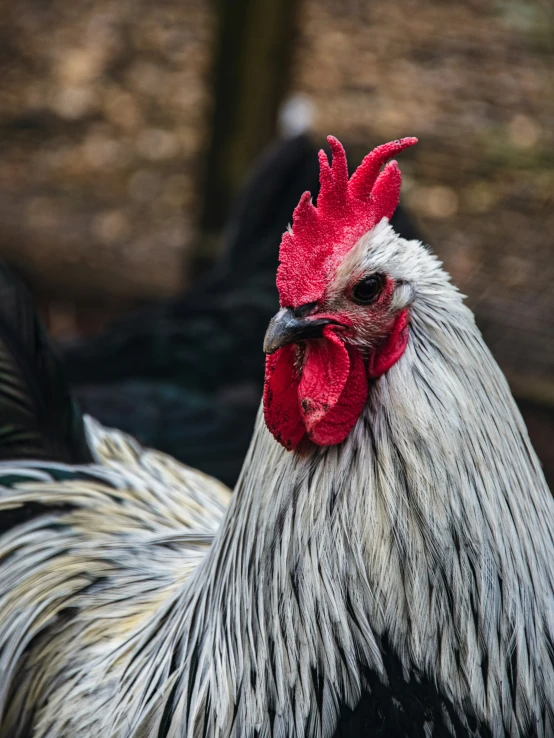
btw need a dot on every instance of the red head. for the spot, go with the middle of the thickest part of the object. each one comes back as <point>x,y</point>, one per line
<point>335,329</point>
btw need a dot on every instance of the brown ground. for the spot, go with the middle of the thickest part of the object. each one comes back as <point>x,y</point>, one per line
<point>102,107</point>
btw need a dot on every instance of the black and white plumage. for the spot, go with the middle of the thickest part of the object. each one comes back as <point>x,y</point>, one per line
<point>399,584</point>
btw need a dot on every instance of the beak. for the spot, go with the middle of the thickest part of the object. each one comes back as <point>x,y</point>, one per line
<point>286,327</point>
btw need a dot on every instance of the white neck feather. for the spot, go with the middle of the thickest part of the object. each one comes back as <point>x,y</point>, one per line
<point>428,526</point>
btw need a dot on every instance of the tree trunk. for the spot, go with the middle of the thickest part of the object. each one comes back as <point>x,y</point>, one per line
<point>253,52</point>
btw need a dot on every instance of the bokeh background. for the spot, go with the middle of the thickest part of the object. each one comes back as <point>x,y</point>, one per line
<point>128,127</point>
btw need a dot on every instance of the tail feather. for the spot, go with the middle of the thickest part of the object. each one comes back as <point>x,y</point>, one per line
<point>38,417</point>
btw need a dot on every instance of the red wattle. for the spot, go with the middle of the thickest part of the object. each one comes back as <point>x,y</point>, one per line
<point>324,374</point>
<point>281,408</point>
<point>329,397</point>
<point>337,423</point>
<point>333,389</point>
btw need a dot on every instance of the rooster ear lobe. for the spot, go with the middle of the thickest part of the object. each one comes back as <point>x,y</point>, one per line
<point>392,349</point>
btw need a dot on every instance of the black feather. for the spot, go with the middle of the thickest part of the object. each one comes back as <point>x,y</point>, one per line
<point>38,417</point>
<point>402,707</point>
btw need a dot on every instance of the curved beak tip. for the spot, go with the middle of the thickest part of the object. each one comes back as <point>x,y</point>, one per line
<point>275,333</point>
<point>269,348</point>
<point>285,328</point>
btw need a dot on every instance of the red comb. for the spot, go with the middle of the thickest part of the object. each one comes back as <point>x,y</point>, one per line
<point>346,209</point>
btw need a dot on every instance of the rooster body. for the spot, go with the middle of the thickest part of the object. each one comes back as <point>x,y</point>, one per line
<point>398,582</point>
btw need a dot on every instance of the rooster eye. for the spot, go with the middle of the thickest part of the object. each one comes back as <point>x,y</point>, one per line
<point>368,289</point>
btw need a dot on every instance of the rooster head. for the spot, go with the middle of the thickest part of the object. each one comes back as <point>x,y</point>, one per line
<point>341,323</point>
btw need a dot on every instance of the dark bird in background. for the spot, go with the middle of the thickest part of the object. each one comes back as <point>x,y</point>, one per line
<point>39,418</point>
<point>185,376</point>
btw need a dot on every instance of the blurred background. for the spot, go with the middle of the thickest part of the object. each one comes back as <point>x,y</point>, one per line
<point>129,130</point>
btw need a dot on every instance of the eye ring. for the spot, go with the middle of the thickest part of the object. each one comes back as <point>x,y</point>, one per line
<point>368,289</point>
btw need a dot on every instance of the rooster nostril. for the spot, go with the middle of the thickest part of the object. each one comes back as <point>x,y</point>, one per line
<point>303,310</point>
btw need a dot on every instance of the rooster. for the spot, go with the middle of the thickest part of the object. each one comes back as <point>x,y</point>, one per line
<point>169,374</point>
<point>384,567</point>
